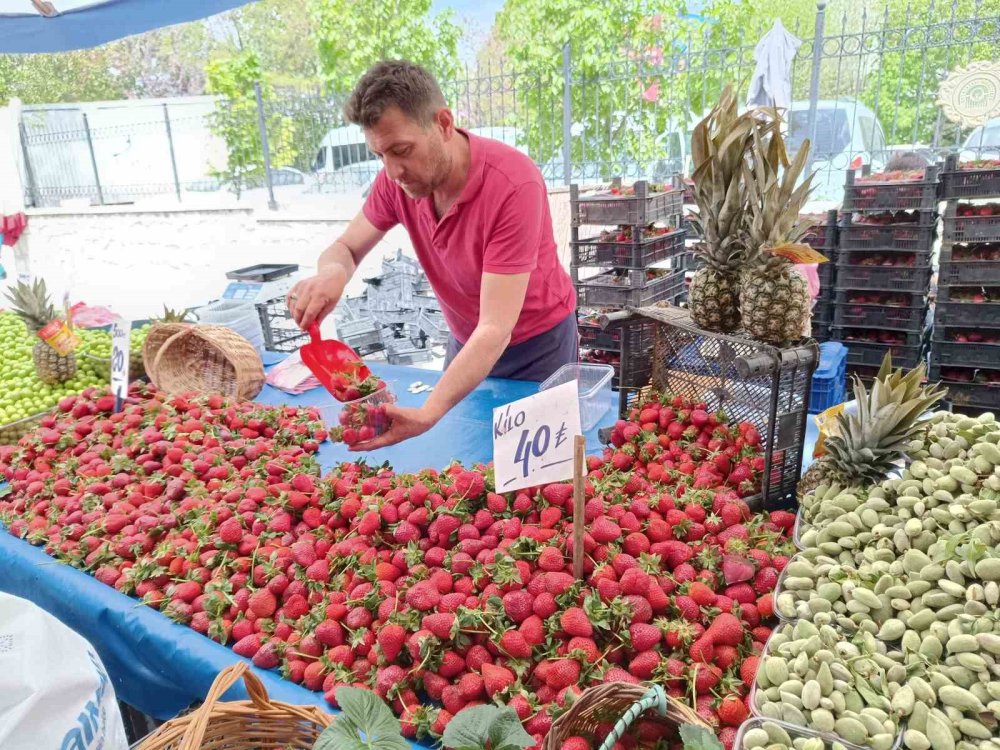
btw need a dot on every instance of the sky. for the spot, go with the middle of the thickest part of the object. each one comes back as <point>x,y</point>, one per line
<point>476,16</point>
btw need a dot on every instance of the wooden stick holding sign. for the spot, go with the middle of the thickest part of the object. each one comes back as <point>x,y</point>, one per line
<point>579,474</point>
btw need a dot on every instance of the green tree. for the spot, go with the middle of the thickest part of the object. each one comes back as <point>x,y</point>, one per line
<point>84,75</point>
<point>235,120</point>
<point>351,35</point>
<point>281,34</point>
<point>904,91</point>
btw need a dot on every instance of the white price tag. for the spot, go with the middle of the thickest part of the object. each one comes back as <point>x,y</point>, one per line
<point>121,333</point>
<point>533,438</point>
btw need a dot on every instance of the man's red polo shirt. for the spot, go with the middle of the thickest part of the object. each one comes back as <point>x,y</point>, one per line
<point>499,224</point>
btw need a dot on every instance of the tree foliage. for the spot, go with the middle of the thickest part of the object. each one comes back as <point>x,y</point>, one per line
<point>84,75</point>
<point>351,35</point>
<point>236,119</point>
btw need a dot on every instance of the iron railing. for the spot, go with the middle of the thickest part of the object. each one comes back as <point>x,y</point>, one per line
<point>859,93</point>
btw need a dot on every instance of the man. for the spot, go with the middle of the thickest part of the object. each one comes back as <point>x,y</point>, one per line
<point>477,213</point>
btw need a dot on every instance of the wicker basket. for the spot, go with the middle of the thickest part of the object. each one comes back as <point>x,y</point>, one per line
<point>253,724</point>
<point>208,359</point>
<point>618,703</point>
<point>158,335</point>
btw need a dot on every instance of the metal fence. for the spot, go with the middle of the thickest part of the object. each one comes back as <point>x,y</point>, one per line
<point>864,85</point>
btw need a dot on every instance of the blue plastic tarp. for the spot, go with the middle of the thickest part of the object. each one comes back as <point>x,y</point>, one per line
<point>161,667</point>
<point>27,31</point>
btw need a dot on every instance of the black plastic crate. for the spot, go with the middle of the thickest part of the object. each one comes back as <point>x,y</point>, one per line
<point>915,237</point>
<point>635,338</point>
<point>820,330</point>
<point>966,272</point>
<point>640,209</point>
<point>970,228</point>
<point>599,291</point>
<point>894,279</point>
<point>964,354</point>
<point>822,236</point>
<point>885,299</point>
<point>281,332</point>
<point>827,273</point>
<point>747,379</point>
<point>902,338</point>
<point>969,183</point>
<point>985,396</point>
<point>880,316</point>
<point>901,195</point>
<point>630,253</point>
<point>967,314</point>
<point>870,354</point>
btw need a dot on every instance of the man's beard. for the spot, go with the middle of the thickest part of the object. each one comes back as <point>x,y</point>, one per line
<point>441,168</point>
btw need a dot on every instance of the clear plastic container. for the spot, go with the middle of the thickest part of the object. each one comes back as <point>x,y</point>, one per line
<point>769,648</point>
<point>794,733</point>
<point>367,411</point>
<point>594,384</point>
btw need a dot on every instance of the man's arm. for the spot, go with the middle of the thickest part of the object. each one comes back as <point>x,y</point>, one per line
<point>312,299</point>
<point>500,300</point>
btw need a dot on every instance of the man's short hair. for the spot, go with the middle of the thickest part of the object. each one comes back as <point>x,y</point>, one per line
<point>394,83</point>
<point>904,161</point>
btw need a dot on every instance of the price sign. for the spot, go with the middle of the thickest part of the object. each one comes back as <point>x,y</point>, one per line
<point>121,332</point>
<point>533,438</point>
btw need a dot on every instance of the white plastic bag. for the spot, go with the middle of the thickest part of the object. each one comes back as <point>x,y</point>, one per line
<point>54,692</point>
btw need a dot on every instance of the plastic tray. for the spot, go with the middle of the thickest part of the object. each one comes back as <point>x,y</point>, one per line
<point>11,432</point>
<point>970,183</point>
<point>593,293</point>
<point>831,736</point>
<point>970,228</point>
<point>985,395</point>
<point>828,379</point>
<point>871,354</point>
<point>904,195</point>
<point>908,279</point>
<point>640,209</point>
<point>880,316</point>
<point>917,237</point>
<point>337,414</point>
<point>985,315</point>
<point>263,272</point>
<point>964,355</point>
<point>794,732</point>
<point>967,272</point>
<point>594,385</point>
<point>634,254</point>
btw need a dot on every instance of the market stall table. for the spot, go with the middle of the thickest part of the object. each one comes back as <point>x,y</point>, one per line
<point>161,667</point>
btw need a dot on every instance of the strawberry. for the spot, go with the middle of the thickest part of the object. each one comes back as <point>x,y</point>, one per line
<point>390,639</point>
<point>706,677</point>
<point>533,631</point>
<point>249,645</point>
<point>605,530</point>
<point>732,710</point>
<point>702,595</point>
<point>439,624</point>
<point>518,605</point>
<point>497,679</point>
<point>263,603</point>
<point>562,673</point>
<point>765,580</point>
<point>644,664</point>
<point>515,645</point>
<point>687,608</point>
<point>748,670</point>
<point>702,650</point>
<point>575,743</point>
<point>551,559</point>
<point>574,622</point>
<point>643,636</point>
<point>726,630</point>
<point>587,647</point>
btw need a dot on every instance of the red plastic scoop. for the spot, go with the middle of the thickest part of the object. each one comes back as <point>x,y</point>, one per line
<point>329,359</point>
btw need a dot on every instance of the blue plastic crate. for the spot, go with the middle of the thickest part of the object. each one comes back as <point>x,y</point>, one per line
<point>828,385</point>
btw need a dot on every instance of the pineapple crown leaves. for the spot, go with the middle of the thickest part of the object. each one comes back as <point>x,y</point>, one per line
<point>868,444</point>
<point>774,202</point>
<point>718,146</point>
<point>32,304</point>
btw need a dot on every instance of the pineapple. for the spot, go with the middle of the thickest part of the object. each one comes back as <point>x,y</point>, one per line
<point>719,144</point>
<point>871,443</point>
<point>32,304</point>
<point>173,316</point>
<point>774,298</point>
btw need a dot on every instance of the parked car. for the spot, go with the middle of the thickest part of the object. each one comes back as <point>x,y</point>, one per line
<point>848,136</point>
<point>983,142</point>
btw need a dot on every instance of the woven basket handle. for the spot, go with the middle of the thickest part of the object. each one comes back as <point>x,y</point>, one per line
<point>654,698</point>
<point>228,677</point>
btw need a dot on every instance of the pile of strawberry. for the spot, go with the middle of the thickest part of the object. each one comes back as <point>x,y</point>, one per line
<point>429,588</point>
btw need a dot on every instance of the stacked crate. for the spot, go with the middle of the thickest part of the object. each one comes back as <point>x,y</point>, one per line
<point>884,268</point>
<point>823,239</point>
<point>965,347</point>
<point>631,255</point>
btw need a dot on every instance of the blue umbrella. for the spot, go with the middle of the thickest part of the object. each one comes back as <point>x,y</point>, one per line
<point>62,25</point>
<point>771,84</point>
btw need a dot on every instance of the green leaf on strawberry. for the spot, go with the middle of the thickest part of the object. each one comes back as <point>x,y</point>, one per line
<point>365,723</point>
<point>698,738</point>
<point>480,727</point>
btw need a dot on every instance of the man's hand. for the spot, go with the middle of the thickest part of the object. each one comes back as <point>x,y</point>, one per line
<point>314,298</point>
<point>406,423</point>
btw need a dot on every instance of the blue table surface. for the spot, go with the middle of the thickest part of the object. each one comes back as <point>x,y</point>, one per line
<point>161,667</point>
